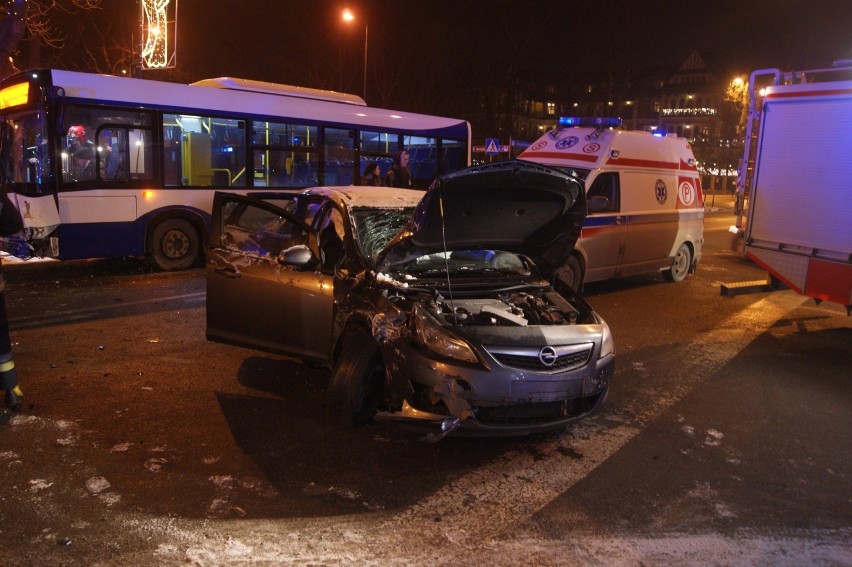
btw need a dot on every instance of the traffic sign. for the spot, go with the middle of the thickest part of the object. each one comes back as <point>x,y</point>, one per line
<point>492,146</point>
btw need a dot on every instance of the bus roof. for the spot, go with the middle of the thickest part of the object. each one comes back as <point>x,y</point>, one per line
<point>249,85</point>
<point>261,102</point>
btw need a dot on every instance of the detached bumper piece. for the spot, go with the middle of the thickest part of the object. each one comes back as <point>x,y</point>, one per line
<point>444,425</point>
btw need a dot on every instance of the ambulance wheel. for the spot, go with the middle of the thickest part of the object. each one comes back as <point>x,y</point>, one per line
<point>571,274</point>
<point>174,245</point>
<point>680,265</point>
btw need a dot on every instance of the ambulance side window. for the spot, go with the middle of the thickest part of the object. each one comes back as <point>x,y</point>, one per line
<point>606,185</point>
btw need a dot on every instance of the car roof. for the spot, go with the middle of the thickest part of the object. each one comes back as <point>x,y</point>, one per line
<point>369,196</point>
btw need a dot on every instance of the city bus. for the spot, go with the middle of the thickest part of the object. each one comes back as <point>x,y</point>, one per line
<point>106,166</point>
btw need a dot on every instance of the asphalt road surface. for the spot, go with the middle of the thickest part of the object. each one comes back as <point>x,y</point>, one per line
<point>725,440</point>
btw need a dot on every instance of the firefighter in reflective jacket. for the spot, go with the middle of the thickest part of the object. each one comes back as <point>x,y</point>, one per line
<point>8,374</point>
<point>10,223</point>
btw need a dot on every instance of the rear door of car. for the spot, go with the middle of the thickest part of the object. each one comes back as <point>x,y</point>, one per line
<point>252,298</point>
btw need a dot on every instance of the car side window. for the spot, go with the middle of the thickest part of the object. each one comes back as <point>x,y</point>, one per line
<point>258,231</point>
<point>606,185</point>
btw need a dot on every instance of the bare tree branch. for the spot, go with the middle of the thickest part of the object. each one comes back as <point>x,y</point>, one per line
<point>21,19</point>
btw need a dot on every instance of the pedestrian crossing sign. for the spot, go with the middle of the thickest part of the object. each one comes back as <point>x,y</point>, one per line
<point>492,146</point>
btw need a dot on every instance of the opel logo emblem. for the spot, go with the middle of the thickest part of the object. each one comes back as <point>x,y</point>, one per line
<point>547,356</point>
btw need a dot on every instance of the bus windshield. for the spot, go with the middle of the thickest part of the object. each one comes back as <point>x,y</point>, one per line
<point>24,155</point>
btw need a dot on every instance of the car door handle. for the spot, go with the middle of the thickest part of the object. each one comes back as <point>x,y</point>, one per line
<point>228,272</point>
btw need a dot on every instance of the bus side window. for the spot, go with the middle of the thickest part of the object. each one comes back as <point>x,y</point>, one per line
<point>112,149</point>
<point>140,154</point>
<point>171,153</point>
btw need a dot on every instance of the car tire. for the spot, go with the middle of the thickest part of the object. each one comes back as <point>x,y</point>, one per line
<point>357,380</point>
<point>174,245</point>
<point>571,274</point>
<point>680,265</point>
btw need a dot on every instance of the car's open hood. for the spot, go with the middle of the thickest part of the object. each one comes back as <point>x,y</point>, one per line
<point>516,206</point>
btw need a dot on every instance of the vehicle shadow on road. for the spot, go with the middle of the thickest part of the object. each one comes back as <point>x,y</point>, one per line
<point>317,468</point>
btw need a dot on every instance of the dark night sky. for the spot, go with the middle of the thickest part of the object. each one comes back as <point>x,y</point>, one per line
<point>414,42</point>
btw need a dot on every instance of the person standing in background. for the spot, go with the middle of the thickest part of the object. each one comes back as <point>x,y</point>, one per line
<point>399,175</point>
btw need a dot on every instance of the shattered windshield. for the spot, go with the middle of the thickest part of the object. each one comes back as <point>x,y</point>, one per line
<point>376,227</point>
<point>24,159</point>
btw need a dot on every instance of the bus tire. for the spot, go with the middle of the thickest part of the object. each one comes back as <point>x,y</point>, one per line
<point>174,245</point>
<point>680,265</point>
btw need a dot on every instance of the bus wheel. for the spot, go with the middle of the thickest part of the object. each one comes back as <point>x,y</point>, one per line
<point>571,274</point>
<point>680,265</point>
<point>174,245</point>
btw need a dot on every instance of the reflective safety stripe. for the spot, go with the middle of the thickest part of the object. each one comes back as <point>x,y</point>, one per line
<point>7,366</point>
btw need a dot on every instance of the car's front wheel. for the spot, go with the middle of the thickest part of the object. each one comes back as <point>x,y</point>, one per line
<point>680,265</point>
<point>357,381</point>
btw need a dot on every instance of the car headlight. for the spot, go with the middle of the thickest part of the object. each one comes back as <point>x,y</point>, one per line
<point>432,336</point>
<point>607,344</point>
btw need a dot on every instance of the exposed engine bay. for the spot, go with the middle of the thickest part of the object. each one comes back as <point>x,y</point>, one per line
<point>506,309</point>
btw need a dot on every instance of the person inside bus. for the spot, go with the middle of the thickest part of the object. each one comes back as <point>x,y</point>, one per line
<point>111,159</point>
<point>372,174</point>
<point>82,153</point>
<point>399,175</point>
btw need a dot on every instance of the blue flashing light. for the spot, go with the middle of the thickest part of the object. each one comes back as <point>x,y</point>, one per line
<point>594,121</point>
<point>659,133</point>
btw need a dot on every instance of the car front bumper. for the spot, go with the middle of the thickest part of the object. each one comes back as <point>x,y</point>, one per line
<point>445,398</point>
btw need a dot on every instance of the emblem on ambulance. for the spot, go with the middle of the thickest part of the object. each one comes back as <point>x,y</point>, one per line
<point>686,193</point>
<point>591,148</point>
<point>538,145</point>
<point>566,143</point>
<point>661,191</point>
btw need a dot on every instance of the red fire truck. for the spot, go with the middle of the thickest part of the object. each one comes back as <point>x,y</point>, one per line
<point>795,187</point>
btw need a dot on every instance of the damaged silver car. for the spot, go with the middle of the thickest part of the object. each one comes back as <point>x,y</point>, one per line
<point>433,309</point>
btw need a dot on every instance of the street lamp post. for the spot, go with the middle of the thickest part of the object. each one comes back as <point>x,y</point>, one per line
<point>348,16</point>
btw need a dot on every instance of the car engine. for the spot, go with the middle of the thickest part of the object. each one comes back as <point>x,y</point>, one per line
<point>518,309</point>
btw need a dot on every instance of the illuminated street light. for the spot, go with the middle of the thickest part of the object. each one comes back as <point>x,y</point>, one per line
<point>349,17</point>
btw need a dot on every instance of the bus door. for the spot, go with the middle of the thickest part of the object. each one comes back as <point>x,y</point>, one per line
<point>25,164</point>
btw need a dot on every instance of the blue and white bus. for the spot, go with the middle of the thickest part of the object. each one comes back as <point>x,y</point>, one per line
<point>104,166</point>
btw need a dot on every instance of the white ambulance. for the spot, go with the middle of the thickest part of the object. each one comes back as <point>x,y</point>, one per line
<point>646,210</point>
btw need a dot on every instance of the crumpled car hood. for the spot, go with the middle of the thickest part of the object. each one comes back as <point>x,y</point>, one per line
<point>516,206</point>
